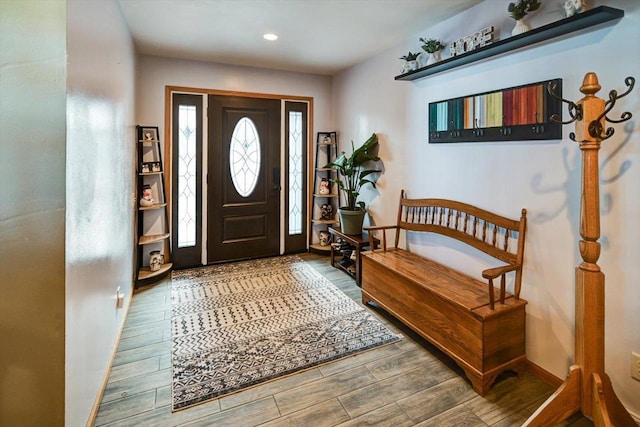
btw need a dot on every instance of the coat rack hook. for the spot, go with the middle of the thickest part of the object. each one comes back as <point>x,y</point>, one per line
<point>575,111</point>
<point>613,97</point>
<point>596,127</point>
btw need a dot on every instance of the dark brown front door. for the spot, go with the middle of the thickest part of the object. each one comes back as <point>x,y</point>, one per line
<point>243,178</point>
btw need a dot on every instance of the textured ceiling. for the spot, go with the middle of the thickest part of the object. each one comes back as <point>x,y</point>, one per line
<point>315,36</point>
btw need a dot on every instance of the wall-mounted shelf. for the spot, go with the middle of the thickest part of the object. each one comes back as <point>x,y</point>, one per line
<point>555,29</point>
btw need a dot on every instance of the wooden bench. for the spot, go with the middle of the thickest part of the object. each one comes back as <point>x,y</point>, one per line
<point>480,327</point>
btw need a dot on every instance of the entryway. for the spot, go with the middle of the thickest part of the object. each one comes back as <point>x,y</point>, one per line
<point>239,176</point>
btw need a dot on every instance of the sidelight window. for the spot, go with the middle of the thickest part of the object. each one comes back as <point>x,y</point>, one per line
<point>295,172</point>
<point>187,176</point>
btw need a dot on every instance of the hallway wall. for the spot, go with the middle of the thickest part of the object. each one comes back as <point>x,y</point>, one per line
<point>504,177</point>
<point>32,211</point>
<point>154,73</point>
<point>100,195</point>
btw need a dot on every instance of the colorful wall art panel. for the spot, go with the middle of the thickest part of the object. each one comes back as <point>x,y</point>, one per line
<point>514,114</point>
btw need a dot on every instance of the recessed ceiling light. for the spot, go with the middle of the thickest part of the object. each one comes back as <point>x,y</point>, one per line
<point>270,36</point>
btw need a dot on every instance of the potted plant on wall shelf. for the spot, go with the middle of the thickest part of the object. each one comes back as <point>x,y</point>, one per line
<point>519,10</point>
<point>433,48</point>
<point>410,62</point>
<point>352,175</point>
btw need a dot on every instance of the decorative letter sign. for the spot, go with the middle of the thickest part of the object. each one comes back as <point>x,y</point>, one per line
<point>472,42</point>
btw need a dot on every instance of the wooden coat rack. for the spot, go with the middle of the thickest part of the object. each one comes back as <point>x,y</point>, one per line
<point>587,387</point>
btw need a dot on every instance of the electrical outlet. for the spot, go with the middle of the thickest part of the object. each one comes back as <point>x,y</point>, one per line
<point>119,298</point>
<point>635,366</point>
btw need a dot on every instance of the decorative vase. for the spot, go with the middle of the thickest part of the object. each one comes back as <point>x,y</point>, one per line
<point>324,186</point>
<point>155,260</point>
<point>433,57</point>
<point>410,66</point>
<point>520,27</point>
<point>572,7</point>
<point>351,221</point>
<point>325,238</point>
<point>147,198</point>
<point>326,211</point>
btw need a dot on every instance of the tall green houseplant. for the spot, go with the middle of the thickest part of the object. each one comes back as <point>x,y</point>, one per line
<point>352,176</point>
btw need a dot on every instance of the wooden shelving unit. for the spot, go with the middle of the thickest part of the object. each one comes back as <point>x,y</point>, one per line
<point>590,18</point>
<point>152,238</point>
<point>150,208</point>
<point>152,226</point>
<point>145,273</point>
<point>326,151</point>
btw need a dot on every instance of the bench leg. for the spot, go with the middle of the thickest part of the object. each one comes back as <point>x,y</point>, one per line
<point>481,384</point>
<point>366,299</point>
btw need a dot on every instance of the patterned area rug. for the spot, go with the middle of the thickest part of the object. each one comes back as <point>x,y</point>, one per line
<point>238,325</point>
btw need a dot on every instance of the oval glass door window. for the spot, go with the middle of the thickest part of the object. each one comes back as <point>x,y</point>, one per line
<point>244,156</point>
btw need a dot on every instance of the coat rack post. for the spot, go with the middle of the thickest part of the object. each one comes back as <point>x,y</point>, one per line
<point>587,387</point>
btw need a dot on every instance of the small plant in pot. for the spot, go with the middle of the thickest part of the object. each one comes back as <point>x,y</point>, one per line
<point>519,10</point>
<point>411,62</point>
<point>433,48</point>
<point>352,176</point>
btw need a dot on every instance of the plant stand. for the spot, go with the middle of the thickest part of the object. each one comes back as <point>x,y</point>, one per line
<point>588,388</point>
<point>358,242</point>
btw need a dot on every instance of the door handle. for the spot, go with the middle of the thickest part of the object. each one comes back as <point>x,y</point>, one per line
<point>276,179</point>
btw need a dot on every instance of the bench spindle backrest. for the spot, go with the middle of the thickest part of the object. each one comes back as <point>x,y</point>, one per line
<point>500,237</point>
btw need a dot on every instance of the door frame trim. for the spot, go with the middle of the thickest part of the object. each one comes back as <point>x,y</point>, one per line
<point>168,148</point>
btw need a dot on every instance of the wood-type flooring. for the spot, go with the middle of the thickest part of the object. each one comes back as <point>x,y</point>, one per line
<point>409,383</point>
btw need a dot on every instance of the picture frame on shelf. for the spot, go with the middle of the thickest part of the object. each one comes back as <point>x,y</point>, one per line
<point>150,167</point>
<point>148,134</point>
<point>327,139</point>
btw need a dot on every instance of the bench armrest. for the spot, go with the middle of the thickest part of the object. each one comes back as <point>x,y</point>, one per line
<point>382,228</point>
<point>492,273</point>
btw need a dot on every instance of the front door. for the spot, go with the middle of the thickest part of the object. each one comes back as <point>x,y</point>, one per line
<point>243,199</point>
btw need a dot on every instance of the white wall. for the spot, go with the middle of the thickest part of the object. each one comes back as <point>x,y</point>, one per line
<point>100,186</point>
<point>32,209</point>
<point>543,177</point>
<point>154,73</point>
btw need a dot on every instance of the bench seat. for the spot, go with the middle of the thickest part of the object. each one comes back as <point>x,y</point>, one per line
<point>454,286</point>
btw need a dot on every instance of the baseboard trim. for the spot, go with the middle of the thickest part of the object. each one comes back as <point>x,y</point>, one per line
<point>543,374</point>
<point>105,379</point>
